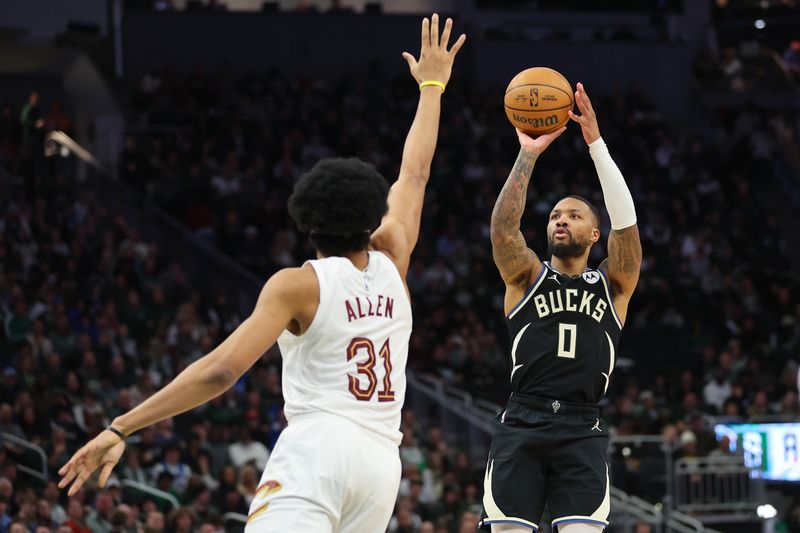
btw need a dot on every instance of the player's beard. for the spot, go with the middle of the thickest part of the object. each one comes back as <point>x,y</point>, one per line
<point>566,250</point>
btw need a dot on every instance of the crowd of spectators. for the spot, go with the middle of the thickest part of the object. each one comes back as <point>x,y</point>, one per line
<point>717,288</point>
<point>96,318</point>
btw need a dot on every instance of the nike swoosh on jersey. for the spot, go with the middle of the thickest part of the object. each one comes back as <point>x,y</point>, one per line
<point>514,350</point>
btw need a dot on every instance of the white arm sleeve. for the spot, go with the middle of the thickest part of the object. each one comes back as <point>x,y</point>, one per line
<point>619,202</point>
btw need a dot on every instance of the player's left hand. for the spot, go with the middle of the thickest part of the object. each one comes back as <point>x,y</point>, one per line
<point>103,451</point>
<point>435,60</point>
<point>587,118</point>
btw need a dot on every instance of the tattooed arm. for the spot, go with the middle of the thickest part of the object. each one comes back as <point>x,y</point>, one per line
<point>622,265</point>
<point>624,248</point>
<point>517,263</point>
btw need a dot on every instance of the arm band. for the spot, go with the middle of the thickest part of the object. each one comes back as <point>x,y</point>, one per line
<point>431,83</point>
<point>619,202</point>
<point>116,432</point>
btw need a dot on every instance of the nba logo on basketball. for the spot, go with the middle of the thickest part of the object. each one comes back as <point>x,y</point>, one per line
<point>535,97</point>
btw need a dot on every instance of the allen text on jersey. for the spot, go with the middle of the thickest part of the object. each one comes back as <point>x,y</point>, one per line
<point>364,306</point>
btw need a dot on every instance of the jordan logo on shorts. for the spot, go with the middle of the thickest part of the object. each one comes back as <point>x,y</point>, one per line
<point>556,406</point>
<point>596,426</point>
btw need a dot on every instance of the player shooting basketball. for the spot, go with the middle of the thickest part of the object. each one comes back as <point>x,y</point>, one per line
<point>342,322</point>
<point>565,321</point>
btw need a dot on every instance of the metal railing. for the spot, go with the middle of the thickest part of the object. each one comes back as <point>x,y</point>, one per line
<point>146,489</point>
<point>464,422</point>
<point>59,143</point>
<point>653,477</point>
<point>718,488</point>
<point>42,474</point>
<point>628,511</point>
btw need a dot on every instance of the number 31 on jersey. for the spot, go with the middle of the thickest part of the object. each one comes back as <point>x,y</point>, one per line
<point>363,346</point>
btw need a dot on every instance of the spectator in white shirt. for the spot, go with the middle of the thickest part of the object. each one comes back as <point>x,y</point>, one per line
<point>247,449</point>
<point>717,390</point>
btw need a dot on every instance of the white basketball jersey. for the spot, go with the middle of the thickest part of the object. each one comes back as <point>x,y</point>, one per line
<point>351,361</point>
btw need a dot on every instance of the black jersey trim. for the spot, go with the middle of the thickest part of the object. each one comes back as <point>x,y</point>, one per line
<point>554,269</point>
<point>527,293</point>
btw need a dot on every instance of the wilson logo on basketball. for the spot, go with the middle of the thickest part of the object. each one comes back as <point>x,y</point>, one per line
<point>537,122</point>
<point>538,100</point>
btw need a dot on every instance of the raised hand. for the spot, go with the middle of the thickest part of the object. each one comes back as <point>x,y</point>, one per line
<point>587,118</point>
<point>103,451</point>
<point>435,60</point>
<point>540,143</point>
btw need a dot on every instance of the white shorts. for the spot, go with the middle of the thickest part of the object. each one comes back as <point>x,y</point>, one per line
<point>327,474</point>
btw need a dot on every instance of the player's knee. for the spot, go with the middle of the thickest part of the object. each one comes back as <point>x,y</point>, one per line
<point>580,527</point>
<point>510,528</point>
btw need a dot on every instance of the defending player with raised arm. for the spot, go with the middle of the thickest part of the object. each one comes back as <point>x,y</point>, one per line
<point>342,321</point>
<point>565,321</point>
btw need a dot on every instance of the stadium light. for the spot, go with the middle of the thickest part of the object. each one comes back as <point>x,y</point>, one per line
<point>766,511</point>
<point>760,24</point>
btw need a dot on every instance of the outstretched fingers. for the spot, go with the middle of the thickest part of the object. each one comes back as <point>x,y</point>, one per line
<point>68,473</point>
<point>83,475</point>
<point>580,119</point>
<point>70,470</point>
<point>582,99</point>
<point>434,38</point>
<point>548,138</point>
<point>410,59</point>
<point>76,471</point>
<point>448,27</point>
<point>426,34</point>
<point>458,44</point>
<point>105,472</point>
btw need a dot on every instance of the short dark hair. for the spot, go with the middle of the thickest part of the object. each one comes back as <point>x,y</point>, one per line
<point>119,519</point>
<point>589,204</point>
<point>339,202</point>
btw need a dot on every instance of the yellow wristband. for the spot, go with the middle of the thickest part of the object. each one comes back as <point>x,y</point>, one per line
<point>430,83</point>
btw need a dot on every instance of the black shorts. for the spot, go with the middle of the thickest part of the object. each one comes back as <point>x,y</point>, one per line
<point>547,451</point>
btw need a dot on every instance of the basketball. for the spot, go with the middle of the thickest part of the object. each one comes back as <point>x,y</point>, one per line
<point>538,99</point>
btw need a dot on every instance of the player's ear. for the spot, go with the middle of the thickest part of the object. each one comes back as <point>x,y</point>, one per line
<point>595,235</point>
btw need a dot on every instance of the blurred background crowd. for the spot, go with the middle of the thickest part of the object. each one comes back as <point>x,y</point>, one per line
<point>96,317</point>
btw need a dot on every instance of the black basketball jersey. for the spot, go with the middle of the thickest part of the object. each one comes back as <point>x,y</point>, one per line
<point>564,335</point>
